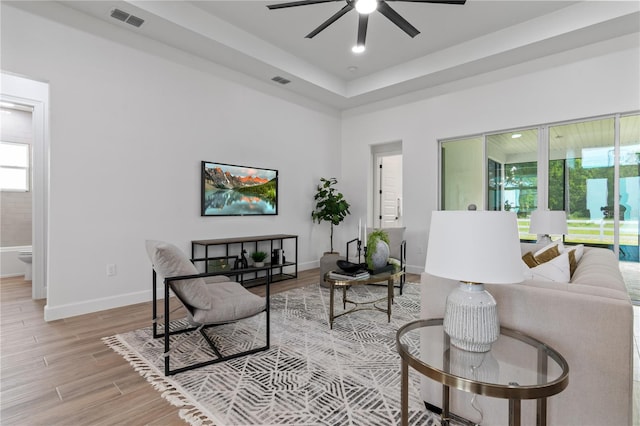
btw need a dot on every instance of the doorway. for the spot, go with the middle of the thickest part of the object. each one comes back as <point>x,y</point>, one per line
<point>35,94</point>
<point>388,208</point>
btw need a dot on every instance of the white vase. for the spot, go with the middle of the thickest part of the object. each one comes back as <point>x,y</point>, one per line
<point>258,264</point>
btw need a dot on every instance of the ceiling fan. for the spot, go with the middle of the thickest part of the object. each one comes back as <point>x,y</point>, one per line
<point>364,8</point>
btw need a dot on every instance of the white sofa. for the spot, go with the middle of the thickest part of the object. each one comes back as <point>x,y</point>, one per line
<point>588,320</point>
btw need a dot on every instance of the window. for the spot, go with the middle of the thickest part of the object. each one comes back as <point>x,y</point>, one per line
<point>629,184</point>
<point>590,169</point>
<point>581,178</point>
<point>14,166</point>
<point>461,181</point>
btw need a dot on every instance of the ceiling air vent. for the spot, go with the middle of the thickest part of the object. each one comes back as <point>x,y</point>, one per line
<point>281,80</point>
<point>126,17</point>
<point>135,21</point>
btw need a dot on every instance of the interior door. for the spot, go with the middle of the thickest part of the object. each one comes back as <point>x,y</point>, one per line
<point>389,192</point>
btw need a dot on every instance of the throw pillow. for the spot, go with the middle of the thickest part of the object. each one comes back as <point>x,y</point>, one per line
<point>526,272</point>
<point>169,261</point>
<point>557,269</point>
<point>547,254</point>
<point>557,244</point>
<point>579,251</point>
<point>529,260</point>
<point>573,264</point>
<point>575,254</point>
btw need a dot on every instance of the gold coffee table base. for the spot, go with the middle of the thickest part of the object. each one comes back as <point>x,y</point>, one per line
<point>389,277</point>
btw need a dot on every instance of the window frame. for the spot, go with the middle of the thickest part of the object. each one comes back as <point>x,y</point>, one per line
<point>27,168</point>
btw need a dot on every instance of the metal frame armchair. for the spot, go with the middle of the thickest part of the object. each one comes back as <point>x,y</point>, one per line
<point>209,303</point>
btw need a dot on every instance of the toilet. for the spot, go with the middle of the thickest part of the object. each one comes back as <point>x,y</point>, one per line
<point>25,256</point>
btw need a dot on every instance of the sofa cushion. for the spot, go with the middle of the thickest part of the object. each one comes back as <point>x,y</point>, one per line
<point>599,267</point>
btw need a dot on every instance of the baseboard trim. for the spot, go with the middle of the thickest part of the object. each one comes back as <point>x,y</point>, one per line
<point>52,313</point>
<point>10,275</point>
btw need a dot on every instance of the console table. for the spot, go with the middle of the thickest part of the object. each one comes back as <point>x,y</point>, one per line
<point>525,368</point>
<point>233,247</point>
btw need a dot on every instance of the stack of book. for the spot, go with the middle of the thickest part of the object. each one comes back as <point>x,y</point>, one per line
<point>344,275</point>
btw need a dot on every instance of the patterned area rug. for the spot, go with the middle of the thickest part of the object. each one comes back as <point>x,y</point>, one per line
<point>311,375</point>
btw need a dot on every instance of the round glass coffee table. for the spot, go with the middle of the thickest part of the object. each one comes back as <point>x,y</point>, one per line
<point>388,277</point>
<point>522,368</point>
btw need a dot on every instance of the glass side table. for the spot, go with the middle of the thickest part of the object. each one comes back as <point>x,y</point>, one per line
<point>522,368</point>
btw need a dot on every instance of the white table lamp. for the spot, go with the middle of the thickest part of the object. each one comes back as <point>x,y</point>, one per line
<point>546,222</point>
<point>473,247</point>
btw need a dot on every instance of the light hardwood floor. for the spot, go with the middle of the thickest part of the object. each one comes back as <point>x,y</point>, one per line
<point>61,373</point>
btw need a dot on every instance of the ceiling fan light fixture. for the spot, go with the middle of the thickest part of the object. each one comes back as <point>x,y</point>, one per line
<point>358,48</point>
<point>365,7</point>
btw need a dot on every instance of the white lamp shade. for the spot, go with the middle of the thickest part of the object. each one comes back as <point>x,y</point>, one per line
<point>548,222</point>
<point>475,246</point>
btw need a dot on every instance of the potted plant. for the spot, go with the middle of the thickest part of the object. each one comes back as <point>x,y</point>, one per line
<point>330,205</point>
<point>258,258</point>
<point>377,249</point>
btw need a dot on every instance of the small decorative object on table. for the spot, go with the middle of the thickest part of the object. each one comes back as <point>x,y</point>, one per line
<point>377,250</point>
<point>258,258</point>
<point>348,266</point>
<point>241,263</point>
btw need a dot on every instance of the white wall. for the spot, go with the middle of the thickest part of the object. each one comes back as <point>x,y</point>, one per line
<point>589,87</point>
<point>128,132</point>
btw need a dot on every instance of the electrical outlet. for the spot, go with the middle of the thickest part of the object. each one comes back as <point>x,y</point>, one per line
<point>111,269</point>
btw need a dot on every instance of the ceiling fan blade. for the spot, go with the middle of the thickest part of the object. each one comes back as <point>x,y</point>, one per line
<point>330,21</point>
<point>394,17</point>
<point>297,3</point>
<point>460,2</point>
<point>363,21</point>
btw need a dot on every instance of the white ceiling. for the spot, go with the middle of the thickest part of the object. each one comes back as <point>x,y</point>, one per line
<point>456,42</point>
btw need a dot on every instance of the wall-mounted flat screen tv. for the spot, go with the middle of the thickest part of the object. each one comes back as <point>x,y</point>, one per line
<point>229,190</point>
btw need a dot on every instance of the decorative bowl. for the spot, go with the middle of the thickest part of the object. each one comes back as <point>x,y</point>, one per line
<point>348,266</point>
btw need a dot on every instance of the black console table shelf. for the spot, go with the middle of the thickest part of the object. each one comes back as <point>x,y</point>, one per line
<point>235,246</point>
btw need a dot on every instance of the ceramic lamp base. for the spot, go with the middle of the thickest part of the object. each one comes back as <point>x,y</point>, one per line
<point>471,318</point>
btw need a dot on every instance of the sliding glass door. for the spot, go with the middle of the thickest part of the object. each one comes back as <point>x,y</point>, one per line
<point>590,169</point>
<point>629,184</point>
<point>582,179</point>
<point>513,175</point>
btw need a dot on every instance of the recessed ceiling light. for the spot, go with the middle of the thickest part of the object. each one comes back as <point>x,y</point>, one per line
<point>516,136</point>
<point>358,48</point>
